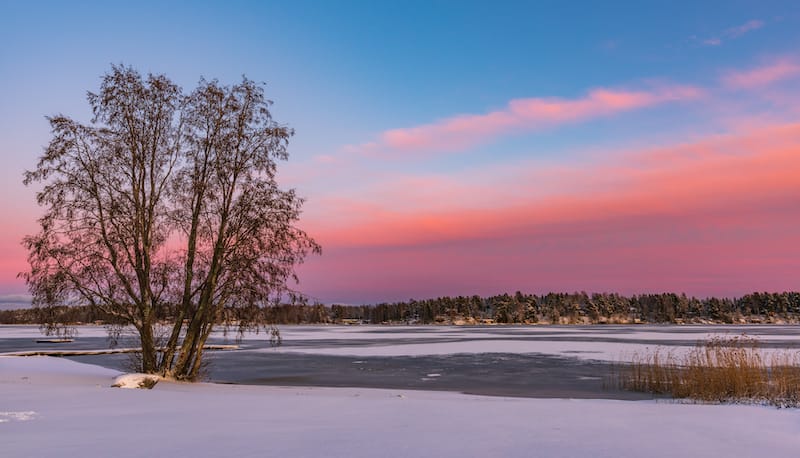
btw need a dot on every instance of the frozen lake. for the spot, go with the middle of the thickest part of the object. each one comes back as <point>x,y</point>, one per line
<point>522,361</point>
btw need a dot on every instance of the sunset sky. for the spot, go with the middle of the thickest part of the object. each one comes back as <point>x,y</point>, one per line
<point>459,148</point>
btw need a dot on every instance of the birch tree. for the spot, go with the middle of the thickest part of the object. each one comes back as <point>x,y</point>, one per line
<point>166,206</point>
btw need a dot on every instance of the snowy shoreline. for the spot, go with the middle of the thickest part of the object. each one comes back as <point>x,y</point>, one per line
<point>58,405</point>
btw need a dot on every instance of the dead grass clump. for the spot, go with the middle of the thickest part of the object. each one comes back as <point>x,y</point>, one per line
<point>719,369</point>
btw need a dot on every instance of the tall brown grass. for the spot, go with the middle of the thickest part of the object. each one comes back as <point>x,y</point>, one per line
<point>718,369</point>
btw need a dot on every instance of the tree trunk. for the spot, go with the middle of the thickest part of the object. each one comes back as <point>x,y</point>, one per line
<point>198,355</point>
<point>149,356</point>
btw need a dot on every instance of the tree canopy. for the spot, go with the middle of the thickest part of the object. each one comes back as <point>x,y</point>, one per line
<point>166,207</point>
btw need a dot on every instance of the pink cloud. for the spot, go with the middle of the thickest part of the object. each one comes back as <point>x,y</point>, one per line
<point>711,173</point>
<point>463,131</point>
<point>716,216</point>
<point>778,70</point>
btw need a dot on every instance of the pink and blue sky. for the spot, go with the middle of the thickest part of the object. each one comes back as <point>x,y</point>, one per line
<point>451,148</point>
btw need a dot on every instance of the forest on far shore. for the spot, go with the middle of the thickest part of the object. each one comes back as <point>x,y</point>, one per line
<point>518,308</point>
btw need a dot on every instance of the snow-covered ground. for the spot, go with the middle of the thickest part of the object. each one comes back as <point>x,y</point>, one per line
<point>56,407</point>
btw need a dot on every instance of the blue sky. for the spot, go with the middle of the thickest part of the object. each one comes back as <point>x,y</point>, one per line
<point>343,74</point>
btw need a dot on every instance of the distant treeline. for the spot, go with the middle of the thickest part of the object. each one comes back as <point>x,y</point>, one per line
<point>553,308</point>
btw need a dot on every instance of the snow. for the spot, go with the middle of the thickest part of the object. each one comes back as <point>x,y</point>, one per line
<point>601,343</point>
<point>31,331</point>
<point>689,333</point>
<point>67,408</point>
<point>133,381</point>
<point>18,416</point>
<point>602,351</point>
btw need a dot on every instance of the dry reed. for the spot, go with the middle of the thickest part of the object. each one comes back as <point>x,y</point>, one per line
<point>718,369</point>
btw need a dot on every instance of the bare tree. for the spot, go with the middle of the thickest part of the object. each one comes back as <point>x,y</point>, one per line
<point>166,206</point>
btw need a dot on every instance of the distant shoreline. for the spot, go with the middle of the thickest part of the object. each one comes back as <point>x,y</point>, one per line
<point>525,309</point>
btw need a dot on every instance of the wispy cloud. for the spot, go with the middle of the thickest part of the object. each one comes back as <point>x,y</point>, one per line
<point>463,131</point>
<point>610,45</point>
<point>734,32</point>
<point>749,26</point>
<point>780,69</point>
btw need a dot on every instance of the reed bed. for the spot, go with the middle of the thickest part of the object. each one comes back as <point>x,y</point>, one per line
<point>718,369</point>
